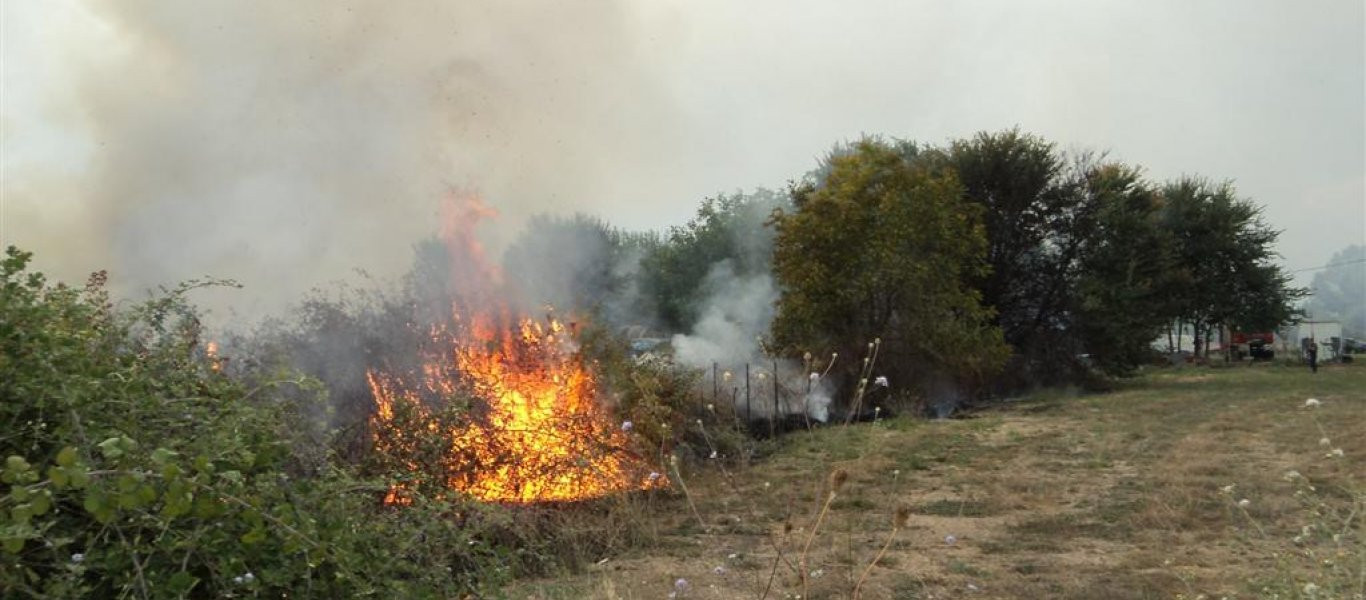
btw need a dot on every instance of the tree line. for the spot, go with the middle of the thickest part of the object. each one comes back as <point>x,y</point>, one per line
<point>995,262</point>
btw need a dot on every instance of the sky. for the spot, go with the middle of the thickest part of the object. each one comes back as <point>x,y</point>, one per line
<point>289,145</point>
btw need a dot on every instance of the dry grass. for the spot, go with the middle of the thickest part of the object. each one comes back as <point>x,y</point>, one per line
<point>1058,496</point>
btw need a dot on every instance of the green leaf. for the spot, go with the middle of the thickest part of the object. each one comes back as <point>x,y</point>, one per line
<point>181,583</point>
<point>17,470</point>
<point>19,494</point>
<point>161,456</point>
<point>171,471</point>
<point>42,502</point>
<point>79,478</point>
<point>67,457</point>
<point>111,448</point>
<point>21,513</point>
<point>13,544</point>
<point>255,536</point>
<point>98,505</point>
<point>58,477</point>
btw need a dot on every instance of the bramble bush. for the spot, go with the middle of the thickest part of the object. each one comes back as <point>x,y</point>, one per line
<point>134,466</point>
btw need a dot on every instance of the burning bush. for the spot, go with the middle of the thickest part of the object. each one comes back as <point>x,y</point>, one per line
<point>538,430</point>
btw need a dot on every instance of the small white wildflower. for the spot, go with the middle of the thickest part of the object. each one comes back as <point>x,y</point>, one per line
<point>654,476</point>
<point>881,381</point>
<point>627,425</point>
<point>817,573</point>
<point>1310,588</point>
<point>1244,503</point>
<point>237,580</point>
<point>733,555</point>
<point>681,584</point>
<point>896,472</point>
<point>973,588</point>
<point>1312,402</point>
<point>815,376</point>
<point>1334,453</point>
<point>719,570</point>
<point>1306,530</point>
<point>1299,539</point>
<point>77,557</point>
<point>713,454</point>
<point>950,539</point>
<point>1228,489</point>
<point>711,407</point>
<point>1337,537</point>
<point>767,485</point>
<point>1323,441</point>
<point>1292,475</point>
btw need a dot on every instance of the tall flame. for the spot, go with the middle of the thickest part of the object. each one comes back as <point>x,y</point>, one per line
<point>539,433</point>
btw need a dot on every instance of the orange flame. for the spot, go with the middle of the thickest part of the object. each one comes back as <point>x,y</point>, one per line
<point>539,432</point>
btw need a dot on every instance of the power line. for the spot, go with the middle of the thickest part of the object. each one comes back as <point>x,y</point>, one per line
<point>1331,265</point>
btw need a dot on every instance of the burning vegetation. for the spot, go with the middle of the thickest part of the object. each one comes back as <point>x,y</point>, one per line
<point>537,429</point>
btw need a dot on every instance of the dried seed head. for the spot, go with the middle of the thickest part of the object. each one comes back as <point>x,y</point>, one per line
<point>901,516</point>
<point>837,479</point>
<point>806,357</point>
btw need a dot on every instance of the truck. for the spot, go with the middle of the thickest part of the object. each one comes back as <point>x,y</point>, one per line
<point>1259,345</point>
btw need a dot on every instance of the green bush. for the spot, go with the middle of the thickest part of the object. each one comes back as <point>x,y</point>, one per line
<point>135,467</point>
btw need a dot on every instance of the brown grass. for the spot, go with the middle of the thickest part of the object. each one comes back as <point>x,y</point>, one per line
<point>1059,496</point>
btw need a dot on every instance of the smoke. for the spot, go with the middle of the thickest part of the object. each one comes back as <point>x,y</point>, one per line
<point>736,313</point>
<point>733,321</point>
<point>287,144</point>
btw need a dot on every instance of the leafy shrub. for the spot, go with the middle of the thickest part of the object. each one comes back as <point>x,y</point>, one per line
<point>135,466</point>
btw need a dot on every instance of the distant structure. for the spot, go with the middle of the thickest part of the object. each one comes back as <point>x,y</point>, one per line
<point>1327,335</point>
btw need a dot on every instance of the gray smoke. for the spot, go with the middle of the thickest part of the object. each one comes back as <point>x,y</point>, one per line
<point>285,144</point>
<point>729,335</point>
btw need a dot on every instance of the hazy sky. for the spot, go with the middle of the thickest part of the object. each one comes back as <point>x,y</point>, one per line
<point>285,144</point>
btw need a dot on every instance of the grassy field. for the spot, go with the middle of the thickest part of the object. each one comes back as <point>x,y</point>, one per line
<point>1194,482</point>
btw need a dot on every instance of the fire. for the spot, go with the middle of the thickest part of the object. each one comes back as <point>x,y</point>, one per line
<point>538,430</point>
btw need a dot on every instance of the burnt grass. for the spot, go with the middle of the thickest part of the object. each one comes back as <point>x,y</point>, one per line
<point>1060,495</point>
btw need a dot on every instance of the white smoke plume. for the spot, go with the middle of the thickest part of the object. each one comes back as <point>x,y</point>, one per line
<point>285,144</point>
<point>728,336</point>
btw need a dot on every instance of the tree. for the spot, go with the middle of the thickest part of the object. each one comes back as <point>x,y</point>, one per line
<point>1036,213</point>
<point>885,247</point>
<point>726,228</point>
<point>1223,262</point>
<point>1123,266</point>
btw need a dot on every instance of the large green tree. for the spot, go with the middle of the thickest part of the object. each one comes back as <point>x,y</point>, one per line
<point>1038,213</point>
<point>1224,269</point>
<point>1119,292</point>
<point>885,247</point>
